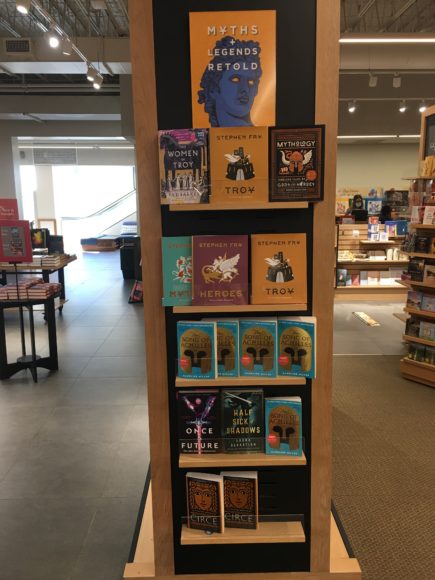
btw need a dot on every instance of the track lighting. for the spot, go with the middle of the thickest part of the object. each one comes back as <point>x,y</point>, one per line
<point>422,107</point>
<point>402,107</point>
<point>373,81</point>
<point>91,74</point>
<point>351,107</point>
<point>67,46</point>
<point>52,38</point>
<point>23,6</point>
<point>98,81</point>
<point>397,81</point>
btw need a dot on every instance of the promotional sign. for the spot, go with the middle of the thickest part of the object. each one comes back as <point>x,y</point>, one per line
<point>233,71</point>
<point>15,245</point>
<point>8,209</point>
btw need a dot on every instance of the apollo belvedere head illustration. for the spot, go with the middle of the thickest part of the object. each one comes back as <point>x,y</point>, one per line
<point>230,82</point>
<point>279,269</point>
<point>223,269</point>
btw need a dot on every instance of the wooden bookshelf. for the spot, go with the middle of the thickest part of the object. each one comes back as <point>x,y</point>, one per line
<point>422,285</point>
<point>420,255</point>
<point>371,262</point>
<point>370,286</point>
<point>424,226</point>
<point>417,312</point>
<point>237,206</point>
<point>237,308</point>
<point>223,460</point>
<point>236,382</point>
<point>401,316</point>
<point>417,371</point>
<point>418,340</point>
<point>267,533</point>
<point>378,243</point>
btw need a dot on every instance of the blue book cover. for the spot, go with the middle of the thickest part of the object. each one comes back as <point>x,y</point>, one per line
<point>283,426</point>
<point>177,271</point>
<point>257,349</point>
<point>227,348</point>
<point>428,303</point>
<point>196,350</point>
<point>297,347</point>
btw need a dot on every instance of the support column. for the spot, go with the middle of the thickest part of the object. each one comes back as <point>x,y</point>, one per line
<point>44,194</point>
<point>10,170</point>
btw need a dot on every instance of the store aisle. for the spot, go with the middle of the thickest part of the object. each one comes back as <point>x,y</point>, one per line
<point>74,446</point>
<point>383,451</point>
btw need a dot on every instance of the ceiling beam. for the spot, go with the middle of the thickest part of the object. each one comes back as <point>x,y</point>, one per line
<point>400,12</point>
<point>5,24</point>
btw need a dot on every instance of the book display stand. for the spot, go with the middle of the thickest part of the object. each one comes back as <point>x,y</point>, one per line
<point>294,536</point>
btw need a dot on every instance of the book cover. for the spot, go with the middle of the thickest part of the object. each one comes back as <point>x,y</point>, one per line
<point>363,277</point>
<point>354,274</point>
<point>205,502</point>
<point>279,269</point>
<point>15,242</point>
<point>196,350</point>
<point>416,269</point>
<point>422,244</point>
<point>283,424</point>
<point>341,205</point>
<point>220,270</point>
<point>417,214</point>
<point>412,327</point>
<point>296,164</point>
<point>413,299</point>
<point>227,348</point>
<point>239,159</point>
<point>429,273</point>
<point>429,214</point>
<point>258,347</point>
<point>429,355</point>
<point>348,279</point>
<point>297,347</point>
<point>233,68</point>
<point>183,162</point>
<point>241,499</point>
<point>177,271</point>
<point>341,276</point>
<point>373,206</point>
<point>428,302</point>
<point>372,277</point>
<point>426,330</point>
<point>199,425</point>
<point>243,421</point>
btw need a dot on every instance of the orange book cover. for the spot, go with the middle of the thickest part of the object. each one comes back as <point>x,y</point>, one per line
<point>233,70</point>
<point>239,164</point>
<point>279,268</point>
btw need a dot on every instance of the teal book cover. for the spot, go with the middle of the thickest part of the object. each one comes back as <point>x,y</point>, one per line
<point>196,350</point>
<point>297,347</point>
<point>283,426</point>
<point>228,348</point>
<point>257,339</point>
<point>177,271</point>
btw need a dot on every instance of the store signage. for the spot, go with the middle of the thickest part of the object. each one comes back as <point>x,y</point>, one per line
<point>8,209</point>
<point>15,244</point>
<point>233,70</point>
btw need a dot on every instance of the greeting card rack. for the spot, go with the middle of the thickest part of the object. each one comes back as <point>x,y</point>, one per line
<point>162,100</point>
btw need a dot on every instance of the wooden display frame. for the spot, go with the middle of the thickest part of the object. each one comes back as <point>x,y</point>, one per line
<point>145,105</point>
<point>429,112</point>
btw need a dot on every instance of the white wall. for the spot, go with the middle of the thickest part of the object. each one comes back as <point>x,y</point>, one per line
<point>376,165</point>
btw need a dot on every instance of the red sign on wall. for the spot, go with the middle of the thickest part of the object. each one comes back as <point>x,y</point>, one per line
<point>8,209</point>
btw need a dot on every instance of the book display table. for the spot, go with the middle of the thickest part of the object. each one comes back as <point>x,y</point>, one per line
<point>30,361</point>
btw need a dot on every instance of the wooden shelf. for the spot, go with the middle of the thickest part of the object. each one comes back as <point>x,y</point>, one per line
<point>373,262</point>
<point>420,255</point>
<point>418,372</point>
<point>423,226</point>
<point>417,312</point>
<point>425,285</point>
<point>367,286</point>
<point>267,533</point>
<point>238,206</point>
<point>370,243</point>
<point>414,178</point>
<point>401,316</point>
<point>218,460</point>
<point>235,382</point>
<point>240,308</point>
<point>418,340</point>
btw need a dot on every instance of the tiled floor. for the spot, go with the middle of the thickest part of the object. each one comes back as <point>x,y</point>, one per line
<point>73,447</point>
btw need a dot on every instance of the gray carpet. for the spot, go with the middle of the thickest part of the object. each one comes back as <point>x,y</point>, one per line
<point>384,467</point>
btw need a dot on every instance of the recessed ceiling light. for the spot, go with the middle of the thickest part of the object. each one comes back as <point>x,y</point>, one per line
<point>52,38</point>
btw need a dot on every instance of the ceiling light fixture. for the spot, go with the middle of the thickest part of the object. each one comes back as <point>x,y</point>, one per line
<point>422,107</point>
<point>92,73</point>
<point>402,106</point>
<point>98,81</point>
<point>52,38</point>
<point>66,46</point>
<point>351,107</point>
<point>373,81</point>
<point>23,6</point>
<point>397,81</point>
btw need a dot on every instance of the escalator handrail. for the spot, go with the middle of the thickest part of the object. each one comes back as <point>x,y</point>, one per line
<point>103,210</point>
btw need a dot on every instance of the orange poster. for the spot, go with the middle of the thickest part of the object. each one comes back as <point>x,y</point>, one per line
<point>239,164</point>
<point>233,71</point>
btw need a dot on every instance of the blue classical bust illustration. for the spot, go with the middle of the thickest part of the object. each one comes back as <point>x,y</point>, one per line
<point>230,82</point>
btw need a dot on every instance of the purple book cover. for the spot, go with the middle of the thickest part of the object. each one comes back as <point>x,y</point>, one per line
<point>220,270</point>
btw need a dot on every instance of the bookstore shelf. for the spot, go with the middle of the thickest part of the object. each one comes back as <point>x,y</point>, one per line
<point>240,308</point>
<point>420,364</point>
<point>267,533</point>
<point>401,316</point>
<point>370,286</point>
<point>424,226</point>
<point>378,243</point>
<point>413,284</point>
<point>238,206</point>
<point>418,340</point>
<point>422,313</point>
<point>420,255</point>
<point>236,382</point>
<point>373,262</point>
<point>217,460</point>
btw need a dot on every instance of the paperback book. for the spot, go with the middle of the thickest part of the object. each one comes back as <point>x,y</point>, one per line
<point>258,347</point>
<point>416,269</point>
<point>196,350</point>
<point>243,421</point>
<point>413,299</point>
<point>241,499</point>
<point>279,269</point>
<point>428,302</point>
<point>220,270</point>
<point>199,425</point>
<point>341,276</point>
<point>297,347</point>
<point>412,327</point>
<point>205,502</point>
<point>283,423</point>
<point>416,352</point>
<point>177,271</point>
<point>227,348</point>
<point>426,330</point>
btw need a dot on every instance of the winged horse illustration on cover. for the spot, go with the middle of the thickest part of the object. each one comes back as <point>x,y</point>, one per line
<point>223,269</point>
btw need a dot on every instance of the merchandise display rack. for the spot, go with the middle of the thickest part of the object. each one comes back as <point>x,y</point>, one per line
<point>298,549</point>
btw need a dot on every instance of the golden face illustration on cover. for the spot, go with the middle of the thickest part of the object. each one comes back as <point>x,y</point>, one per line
<point>233,71</point>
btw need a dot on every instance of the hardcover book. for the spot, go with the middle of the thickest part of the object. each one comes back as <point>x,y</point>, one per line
<point>258,347</point>
<point>428,302</point>
<point>413,327</point>
<point>429,273</point>
<point>199,426</point>
<point>426,331</point>
<point>297,347</point>
<point>196,350</point>
<point>228,348</point>
<point>413,299</point>
<point>279,269</point>
<point>177,271</point>
<point>422,244</point>
<point>241,499</point>
<point>183,161</point>
<point>429,355</point>
<point>416,352</point>
<point>416,269</point>
<point>239,164</point>
<point>243,421</point>
<point>296,162</point>
<point>283,424</point>
<point>341,276</point>
<point>220,270</point>
<point>205,502</point>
